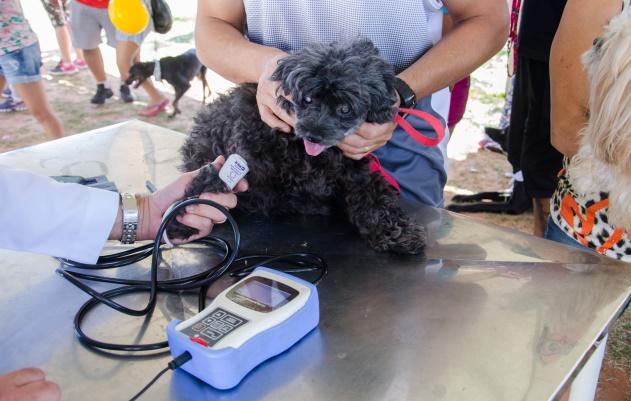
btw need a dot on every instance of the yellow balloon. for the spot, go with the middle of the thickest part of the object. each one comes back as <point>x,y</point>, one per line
<point>128,16</point>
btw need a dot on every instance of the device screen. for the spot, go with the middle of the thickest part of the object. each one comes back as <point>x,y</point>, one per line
<point>262,294</point>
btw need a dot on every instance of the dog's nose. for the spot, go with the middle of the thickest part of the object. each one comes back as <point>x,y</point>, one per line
<point>314,139</point>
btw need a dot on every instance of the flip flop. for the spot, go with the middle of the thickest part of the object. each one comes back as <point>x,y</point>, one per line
<point>154,110</point>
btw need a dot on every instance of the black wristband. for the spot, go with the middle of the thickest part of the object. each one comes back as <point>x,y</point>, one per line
<point>406,94</point>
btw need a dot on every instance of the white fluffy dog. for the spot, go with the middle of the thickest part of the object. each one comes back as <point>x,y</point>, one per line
<point>603,162</point>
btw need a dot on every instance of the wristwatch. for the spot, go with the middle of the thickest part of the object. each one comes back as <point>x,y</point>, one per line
<point>407,95</point>
<point>130,218</point>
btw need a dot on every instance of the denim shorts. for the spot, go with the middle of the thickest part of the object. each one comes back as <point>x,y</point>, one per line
<point>22,66</point>
<point>555,233</point>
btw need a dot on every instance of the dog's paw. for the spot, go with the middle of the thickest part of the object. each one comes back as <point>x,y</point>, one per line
<point>206,181</point>
<point>177,230</point>
<point>403,236</point>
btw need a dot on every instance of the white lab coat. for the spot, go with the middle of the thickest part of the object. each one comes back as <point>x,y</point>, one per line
<point>39,214</point>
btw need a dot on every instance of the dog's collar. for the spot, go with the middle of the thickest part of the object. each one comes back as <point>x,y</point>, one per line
<point>157,72</point>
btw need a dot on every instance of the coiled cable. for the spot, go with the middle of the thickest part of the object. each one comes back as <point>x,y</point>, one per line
<point>293,263</point>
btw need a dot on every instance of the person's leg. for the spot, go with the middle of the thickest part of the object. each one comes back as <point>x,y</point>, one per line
<point>87,24</point>
<point>5,105</point>
<point>541,214</point>
<point>127,53</point>
<point>94,60</point>
<point>95,63</point>
<point>80,57</point>
<point>59,18</point>
<point>13,101</point>
<point>79,61</point>
<point>33,95</point>
<point>540,161</point>
<point>21,68</point>
<point>63,40</point>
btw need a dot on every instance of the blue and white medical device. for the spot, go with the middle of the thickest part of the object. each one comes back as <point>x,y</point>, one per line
<point>251,321</point>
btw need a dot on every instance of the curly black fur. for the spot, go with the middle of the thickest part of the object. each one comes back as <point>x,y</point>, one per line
<point>335,88</point>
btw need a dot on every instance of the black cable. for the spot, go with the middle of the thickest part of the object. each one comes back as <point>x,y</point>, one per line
<point>292,263</point>
<point>174,364</point>
<point>141,392</point>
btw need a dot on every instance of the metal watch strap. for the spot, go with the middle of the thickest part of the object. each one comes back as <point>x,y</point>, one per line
<point>407,95</point>
<point>130,218</point>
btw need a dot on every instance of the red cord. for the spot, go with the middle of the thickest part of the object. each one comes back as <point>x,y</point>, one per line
<point>417,135</point>
<point>421,138</point>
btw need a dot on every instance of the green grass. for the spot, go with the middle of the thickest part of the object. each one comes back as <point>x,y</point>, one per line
<point>619,344</point>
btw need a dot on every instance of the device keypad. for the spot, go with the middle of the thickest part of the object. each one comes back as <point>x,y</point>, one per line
<point>215,326</point>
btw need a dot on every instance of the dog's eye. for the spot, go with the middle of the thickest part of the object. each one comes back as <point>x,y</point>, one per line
<point>344,109</point>
<point>307,100</point>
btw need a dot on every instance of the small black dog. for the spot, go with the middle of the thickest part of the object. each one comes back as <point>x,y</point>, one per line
<point>179,71</point>
<point>335,88</point>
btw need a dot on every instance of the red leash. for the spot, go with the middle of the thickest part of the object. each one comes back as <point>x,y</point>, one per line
<point>418,136</point>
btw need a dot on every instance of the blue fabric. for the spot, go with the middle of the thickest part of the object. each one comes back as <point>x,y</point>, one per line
<point>555,233</point>
<point>402,30</point>
<point>419,170</point>
<point>22,66</point>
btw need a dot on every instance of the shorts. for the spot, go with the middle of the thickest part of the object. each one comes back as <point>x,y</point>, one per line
<point>529,146</point>
<point>555,233</point>
<point>88,22</point>
<point>57,11</point>
<point>419,170</point>
<point>22,66</point>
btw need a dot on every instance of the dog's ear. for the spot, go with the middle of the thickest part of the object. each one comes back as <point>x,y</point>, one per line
<point>289,71</point>
<point>378,78</point>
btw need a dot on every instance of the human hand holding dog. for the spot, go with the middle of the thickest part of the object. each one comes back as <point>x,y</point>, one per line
<point>267,94</point>
<point>152,207</point>
<point>368,138</point>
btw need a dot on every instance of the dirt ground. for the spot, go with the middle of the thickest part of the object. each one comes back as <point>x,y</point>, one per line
<point>470,168</point>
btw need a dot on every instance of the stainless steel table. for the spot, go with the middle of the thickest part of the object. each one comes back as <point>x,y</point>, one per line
<point>490,314</point>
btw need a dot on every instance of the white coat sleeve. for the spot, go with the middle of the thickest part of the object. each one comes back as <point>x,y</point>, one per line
<point>39,214</point>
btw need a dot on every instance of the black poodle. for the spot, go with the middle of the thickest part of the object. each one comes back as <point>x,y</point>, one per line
<point>335,88</point>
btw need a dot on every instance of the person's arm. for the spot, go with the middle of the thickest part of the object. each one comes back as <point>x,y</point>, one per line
<point>582,22</point>
<point>222,47</point>
<point>152,207</point>
<point>479,30</point>
<point>74,221</point>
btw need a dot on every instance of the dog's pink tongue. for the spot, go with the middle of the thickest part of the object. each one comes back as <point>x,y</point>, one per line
<point>313,149</point>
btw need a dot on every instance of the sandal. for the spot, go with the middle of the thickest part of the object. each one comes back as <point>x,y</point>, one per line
<point>155,109</point>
